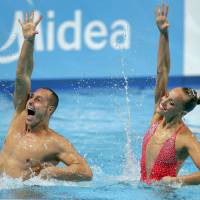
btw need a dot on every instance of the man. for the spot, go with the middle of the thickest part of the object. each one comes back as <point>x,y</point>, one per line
<point>31,147</point>
<point>168,142</point>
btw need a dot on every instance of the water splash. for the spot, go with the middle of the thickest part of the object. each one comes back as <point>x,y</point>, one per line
<point>131,167</point>
<point>100,179</point>
<point>7,182</point>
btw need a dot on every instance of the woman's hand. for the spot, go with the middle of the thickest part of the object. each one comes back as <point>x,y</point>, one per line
<point>161,18</point>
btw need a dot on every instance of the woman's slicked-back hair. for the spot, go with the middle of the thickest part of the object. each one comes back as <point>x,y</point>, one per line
<point>193,99</point>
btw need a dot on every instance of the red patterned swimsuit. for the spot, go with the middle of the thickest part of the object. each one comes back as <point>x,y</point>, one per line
<point>166,163</point>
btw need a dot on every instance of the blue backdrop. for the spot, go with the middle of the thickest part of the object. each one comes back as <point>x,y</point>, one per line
<point>84,39</point>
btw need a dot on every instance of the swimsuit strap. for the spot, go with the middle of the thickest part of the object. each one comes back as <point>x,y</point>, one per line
<point>154,126</point>
<point>178,131</point>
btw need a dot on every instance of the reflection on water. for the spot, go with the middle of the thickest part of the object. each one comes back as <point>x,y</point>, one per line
<point>26,193</point>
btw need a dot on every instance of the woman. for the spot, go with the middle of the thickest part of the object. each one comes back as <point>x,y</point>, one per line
<point>168,142</point>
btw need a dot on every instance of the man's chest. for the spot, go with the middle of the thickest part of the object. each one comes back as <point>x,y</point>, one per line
<point>30,148</point>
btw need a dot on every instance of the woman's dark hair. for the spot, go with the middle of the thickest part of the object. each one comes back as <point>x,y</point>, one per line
<point>193,99</point>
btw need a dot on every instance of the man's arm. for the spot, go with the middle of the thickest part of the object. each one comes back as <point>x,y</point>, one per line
<point>163,63</point>
<point>76,168</point>
<point>192,146</point>
<point>25,63</point>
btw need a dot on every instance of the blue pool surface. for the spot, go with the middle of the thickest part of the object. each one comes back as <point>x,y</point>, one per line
<point>106,126</point>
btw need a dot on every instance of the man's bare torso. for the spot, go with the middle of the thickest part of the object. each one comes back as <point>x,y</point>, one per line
<point>24,154</point>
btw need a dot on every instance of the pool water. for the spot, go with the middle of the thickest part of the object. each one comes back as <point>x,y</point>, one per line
<point>106,126</point>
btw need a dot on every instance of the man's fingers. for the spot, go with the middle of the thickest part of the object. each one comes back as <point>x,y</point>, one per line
<point>32,16</point>
<point>20,22</point>
<point>167,9</point>
<point>38,21</point>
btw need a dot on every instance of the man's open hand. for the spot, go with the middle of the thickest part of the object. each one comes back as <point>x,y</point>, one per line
<point>29,26</point>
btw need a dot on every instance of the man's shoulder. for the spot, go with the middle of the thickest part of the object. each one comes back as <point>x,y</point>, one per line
<point>59,139</point>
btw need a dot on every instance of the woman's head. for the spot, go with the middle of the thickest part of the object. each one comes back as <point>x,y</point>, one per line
<point>178,102</point>
<point>192,100</point>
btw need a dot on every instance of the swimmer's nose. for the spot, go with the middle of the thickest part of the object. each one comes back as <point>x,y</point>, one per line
<point>30,102</point>
<point>164,100</point>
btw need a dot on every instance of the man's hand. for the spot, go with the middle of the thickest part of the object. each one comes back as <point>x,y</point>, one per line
<point>35,170</point>
<point>47,173</point>
<point>161,18</point>
<point>29,26</point>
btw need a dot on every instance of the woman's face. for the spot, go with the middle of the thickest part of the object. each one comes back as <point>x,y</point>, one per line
<point>172,103</point>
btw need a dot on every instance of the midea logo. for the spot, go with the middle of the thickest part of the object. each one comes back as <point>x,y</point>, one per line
<point>94,35</point>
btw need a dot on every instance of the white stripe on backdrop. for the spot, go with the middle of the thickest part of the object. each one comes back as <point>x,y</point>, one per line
<point>192,37</point>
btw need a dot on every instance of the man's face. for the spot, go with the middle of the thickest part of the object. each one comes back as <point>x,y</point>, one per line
<point>37,107</point>
<point>172,103</point>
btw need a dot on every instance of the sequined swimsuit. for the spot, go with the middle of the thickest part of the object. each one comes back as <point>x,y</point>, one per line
<point>166,163</point>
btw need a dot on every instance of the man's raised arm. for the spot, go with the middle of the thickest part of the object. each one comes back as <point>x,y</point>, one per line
<point>163,65</point>
<point>25,63</point>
